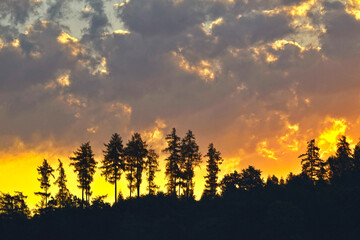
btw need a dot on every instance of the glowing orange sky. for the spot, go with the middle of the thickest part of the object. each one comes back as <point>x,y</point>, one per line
<point>18,169</point>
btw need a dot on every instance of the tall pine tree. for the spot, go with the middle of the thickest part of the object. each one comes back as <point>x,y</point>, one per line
<point>45,171</point>
<point>191,157</point>
<point>84,165</point>
<point>212,168</point>
<point>342,163</point>
<point>114,161</point>
<point>135,160</point>
<point>172,170</point>
<point>312,165</point>
<point>152,165</point>
<point>63,196</point>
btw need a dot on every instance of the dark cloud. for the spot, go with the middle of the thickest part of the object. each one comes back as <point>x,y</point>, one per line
<point>162,16</point>
<point>57,9</point>
<point>98,20</point>
<point>19,11</point>
<point>225,69</point>
<point>255,29</point>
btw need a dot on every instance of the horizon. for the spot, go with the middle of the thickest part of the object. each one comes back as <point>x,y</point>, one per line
<point>256,78</point>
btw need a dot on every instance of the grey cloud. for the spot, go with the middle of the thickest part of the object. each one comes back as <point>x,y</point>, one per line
<point>98,20</point>
<point>57,9</point>
<point>251,30</point>
<point>342,32</point>
<point>153,70</point>
<point>163,17</point>
<point>19,10</point>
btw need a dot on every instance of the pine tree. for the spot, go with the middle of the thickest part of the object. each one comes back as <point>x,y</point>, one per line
<point>152,166</point>
<point>356,157</point>
<point>312,165</point>
<point>135,156</point>
<point>63,196</point>
<point>45,171</point>
<point>212,168</point>
<point>251,179</point>
<point>342,163</point>
<point>14,206</point>
<point>191,157</point>
<point>84,164</point>
<point>114,161</point>
<point>172,161</point>
<point>230,183</point>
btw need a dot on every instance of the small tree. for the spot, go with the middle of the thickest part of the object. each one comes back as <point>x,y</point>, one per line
<point>152,166</point>
<point>14,206</point>
<point>45,171</point>
<point>230,182</point>
<point>114,161</point>
<point>213,162</point>
<point>63,197</point>
<point>84,165</point>
<point>251,179</point>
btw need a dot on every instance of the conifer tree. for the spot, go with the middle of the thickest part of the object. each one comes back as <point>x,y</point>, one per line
<point>343,162</point>
<point>14,206</point>
<point>312,165</point>
<point>230,182</point>
<point>63,196</point>
<point>114,161</point>
<point>251,179</point>
<point>212,168</point>
<point>45,171</point>
<point>84,165</point>
<point>191,157</point>
<point>152,166</point>
<point>172,170</point>
<point>135,160</point>
<point>356,157</point>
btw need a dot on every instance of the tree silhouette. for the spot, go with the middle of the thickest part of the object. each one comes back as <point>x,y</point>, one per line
<point>114,161</point>
<point>272,181</point>
<point>14,206</point>
<point>212,168</point>
<point>251,179</point>
<point>63,197</point>
<point>342,163</point>
<point>152,166</point>
<point>230,183</point>
<point>135,154</point>
<point>84,165</point>
<point>312,165</point>
<point>45,171</point>
<point>356,157</point>
<point>172,170</point>
<point>191,157</point>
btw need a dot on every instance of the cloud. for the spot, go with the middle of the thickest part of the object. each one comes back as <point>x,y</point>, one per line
<point>165,17</point>
<point>19,11</point>
<point>245,75</point>
<point>57,9</point>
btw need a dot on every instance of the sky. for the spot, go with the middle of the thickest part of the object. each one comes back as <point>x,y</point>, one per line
<point>258,78</point>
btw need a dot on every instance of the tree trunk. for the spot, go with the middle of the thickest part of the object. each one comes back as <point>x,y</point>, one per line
<point>115,192</point>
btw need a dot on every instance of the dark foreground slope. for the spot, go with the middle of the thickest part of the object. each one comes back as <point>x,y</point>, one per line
<point>293,211</point>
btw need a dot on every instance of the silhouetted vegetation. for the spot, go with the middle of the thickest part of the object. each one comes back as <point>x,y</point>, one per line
<point>114,161</point>
<point>322,202</point>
